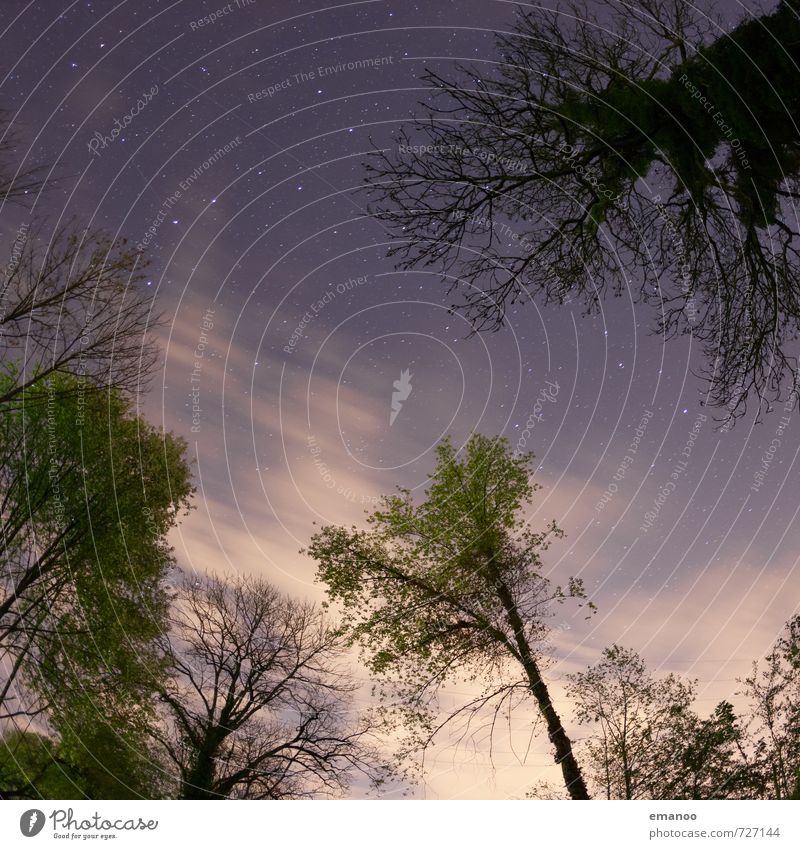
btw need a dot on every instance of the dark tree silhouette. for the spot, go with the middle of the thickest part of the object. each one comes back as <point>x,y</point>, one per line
<point>259,703</point>
<point>617,146</point>
<point>76,305</point>
<point>774,692</point>
<point>648,741</point>
<point>72,301</point>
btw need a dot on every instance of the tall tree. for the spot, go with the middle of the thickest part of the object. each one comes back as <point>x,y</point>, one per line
<point>619,146</point>
<point>774,692</point>
<point>453,585</point>
<point>259,705</point>
<point>88,494</point>
<point>648,742</point>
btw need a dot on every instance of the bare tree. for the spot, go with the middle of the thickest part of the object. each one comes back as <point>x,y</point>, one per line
<point>72,301</point>
<point>259,703</point>
<point>75,306</point>
<point>616,146</point>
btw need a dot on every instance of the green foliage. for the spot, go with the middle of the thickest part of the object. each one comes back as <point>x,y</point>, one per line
<point>31,769</point>
<point>100,765</point>
<point>448,588</point>
<point>774,693</point>
<point>91,491</point>
<point>648,742</point>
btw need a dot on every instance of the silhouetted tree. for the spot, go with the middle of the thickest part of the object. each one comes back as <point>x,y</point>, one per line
<point>648,742</point>
<point>72,301</point>
<point>75,306</point>
<point>616,146</point>
<point>453,586</point>
<point>259,703</point>
<point>88,494</point>
<point>774,692</point>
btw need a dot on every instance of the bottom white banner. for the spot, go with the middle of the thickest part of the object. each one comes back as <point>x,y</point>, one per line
<point>405,824</point>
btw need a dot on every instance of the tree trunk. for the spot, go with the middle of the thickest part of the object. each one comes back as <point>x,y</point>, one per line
<point>573,777</point>
<point>199,779</point>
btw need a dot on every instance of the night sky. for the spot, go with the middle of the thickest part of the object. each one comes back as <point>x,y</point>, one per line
<point>240,171</point>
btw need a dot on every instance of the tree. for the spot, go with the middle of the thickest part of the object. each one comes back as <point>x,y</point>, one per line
<point>648,741</point>
<point>618,146</point>
<point>774,693</point>
<point>71,302</point>
<point>453,585</point>
<point>258,703</point>
<point>100,765</point>
<point>76,306</point>
<point>30,769</point>
<point>88,493</point>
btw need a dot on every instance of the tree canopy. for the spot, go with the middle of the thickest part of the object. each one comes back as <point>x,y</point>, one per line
<point>451,587</point>
<point>774,692</point>
<point>258,700</point>
<point>648,741</point>
<point>613,147</point>
<point>89,492</point>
